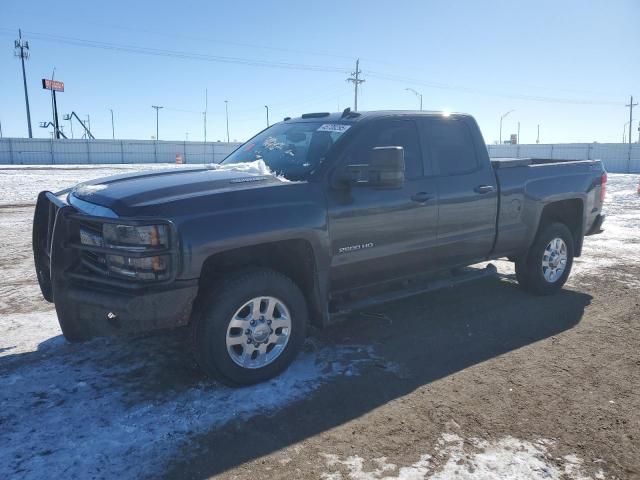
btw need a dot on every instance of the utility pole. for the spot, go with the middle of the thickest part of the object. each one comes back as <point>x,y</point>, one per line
<point>418,94</point>
<point>631,105</point>
<point>267,107</point>
<point>518,138</point>
<point>502,118</point>
<point>226,109</point>
<point>356,80</point>
<point>157,107</point>
<point>113,129</point>
<point>22,51</point>
<point>538,137</point>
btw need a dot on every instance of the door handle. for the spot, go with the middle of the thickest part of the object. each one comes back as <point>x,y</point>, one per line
<point>421,197</point>
<point>483,189</point>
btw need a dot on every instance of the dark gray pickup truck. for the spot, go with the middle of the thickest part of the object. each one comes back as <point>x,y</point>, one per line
<point>313,217</point>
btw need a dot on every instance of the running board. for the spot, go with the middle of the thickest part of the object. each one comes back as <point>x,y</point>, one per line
<point>464,275</point>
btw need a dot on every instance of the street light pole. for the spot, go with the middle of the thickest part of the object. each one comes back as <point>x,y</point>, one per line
<point>226,109</point>
<point>418,94</point>
<point>267,107</point>
<point>113,130</point>
<point>157,107</point>
<point>501,118</point>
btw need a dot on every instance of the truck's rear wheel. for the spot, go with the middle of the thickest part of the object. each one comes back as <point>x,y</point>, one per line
<point>250,327</point>
<point>548,263</point>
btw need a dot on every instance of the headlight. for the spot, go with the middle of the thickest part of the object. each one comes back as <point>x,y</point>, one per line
<point>142,268</point>
<point>145,238</point>
<point>139,237</point>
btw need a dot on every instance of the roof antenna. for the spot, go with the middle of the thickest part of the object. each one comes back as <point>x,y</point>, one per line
<point>346,112</point>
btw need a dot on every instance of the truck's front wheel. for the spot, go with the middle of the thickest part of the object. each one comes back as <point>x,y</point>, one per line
<point>249,327</point>
<point>548,263</point>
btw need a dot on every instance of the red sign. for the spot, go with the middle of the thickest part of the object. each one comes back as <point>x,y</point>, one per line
<point>52,85</point>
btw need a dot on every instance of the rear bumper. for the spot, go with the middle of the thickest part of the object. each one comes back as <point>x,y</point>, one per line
<point>596,227</point>
<point>102,305</point>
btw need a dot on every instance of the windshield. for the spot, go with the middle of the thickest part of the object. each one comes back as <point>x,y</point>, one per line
<point>292,150</point>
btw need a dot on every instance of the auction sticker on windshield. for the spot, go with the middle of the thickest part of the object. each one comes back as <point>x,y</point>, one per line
<point>334,127</point>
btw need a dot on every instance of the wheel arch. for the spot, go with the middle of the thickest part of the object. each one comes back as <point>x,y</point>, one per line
<point>569,212</point>
<point>293,258</point>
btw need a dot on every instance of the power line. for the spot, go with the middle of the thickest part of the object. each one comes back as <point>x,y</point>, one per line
<point>182,54</point>
<point>296,66</point>
<point>447,86</point>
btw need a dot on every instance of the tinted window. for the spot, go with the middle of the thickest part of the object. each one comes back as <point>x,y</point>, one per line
<point>451,146</point>
<point>390,133</point>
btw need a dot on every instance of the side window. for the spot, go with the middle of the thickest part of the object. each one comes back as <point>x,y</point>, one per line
<point>451,146</point>
<point>390,133</point>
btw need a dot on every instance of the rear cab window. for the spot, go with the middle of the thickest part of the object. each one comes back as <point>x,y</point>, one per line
<point>450,145</point>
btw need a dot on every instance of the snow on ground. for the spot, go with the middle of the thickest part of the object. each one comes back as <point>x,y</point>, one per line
<point>619,244</point>
<point>20,184</point>
<point>88,411</point>
<point>460,458</point>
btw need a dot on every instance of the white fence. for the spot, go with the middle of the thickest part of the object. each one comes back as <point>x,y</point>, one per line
<point>616,157</point>
<point>41,151</point>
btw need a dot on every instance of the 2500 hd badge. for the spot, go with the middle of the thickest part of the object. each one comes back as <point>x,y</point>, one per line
<point>353,248</point>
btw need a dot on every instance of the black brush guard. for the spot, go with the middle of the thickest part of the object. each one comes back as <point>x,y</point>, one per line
<point>104,303</point>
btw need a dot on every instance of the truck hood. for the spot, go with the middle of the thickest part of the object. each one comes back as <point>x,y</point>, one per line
<point>124,192</point>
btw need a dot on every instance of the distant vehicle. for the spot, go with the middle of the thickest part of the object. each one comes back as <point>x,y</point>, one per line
<point>363,208</point>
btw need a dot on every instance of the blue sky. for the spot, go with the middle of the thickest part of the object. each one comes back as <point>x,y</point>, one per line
<point>569,66</point>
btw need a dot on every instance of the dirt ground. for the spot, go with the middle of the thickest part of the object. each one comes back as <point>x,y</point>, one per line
<point>481,381</point>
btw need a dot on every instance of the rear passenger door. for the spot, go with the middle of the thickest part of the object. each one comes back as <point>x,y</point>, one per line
<point>467,191</point>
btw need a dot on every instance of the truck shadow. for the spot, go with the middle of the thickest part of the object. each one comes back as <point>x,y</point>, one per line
<point>151,385</point>
<point>428,337</point>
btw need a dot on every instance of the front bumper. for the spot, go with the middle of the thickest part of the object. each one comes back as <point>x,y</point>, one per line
<point>101,304</point>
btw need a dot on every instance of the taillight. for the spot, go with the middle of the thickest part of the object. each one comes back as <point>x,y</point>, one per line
<point>603,186</point>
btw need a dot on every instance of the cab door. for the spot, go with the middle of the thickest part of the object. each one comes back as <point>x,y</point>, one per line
<point>378,234</point>
<point>467,191</point>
